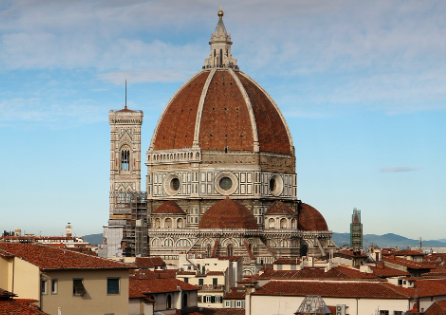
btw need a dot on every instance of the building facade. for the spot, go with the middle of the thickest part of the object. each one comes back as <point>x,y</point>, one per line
<point>221,177</point>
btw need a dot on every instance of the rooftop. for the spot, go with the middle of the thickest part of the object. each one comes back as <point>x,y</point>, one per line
<point>54,258</point>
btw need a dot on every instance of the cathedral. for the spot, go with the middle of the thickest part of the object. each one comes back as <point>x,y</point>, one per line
<point>221,177</point>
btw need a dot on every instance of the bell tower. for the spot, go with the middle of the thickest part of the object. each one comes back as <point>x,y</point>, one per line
<point>125,154</point>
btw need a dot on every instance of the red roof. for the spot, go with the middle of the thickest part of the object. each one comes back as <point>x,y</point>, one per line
<point>337,289</point>
<point>149,262</point>
<point>169,207</point>
<point>310,219</point>
<point>137,288</point>
<point>410,264</point>
<point>279,207</point>
<point>437,308</point>
<point>236,293</point>
<point>339,273</point>
<point>385,272</point>
<point>54,258</point>
<point>225,119</point>
<point>228,214</point>
<point>407,252</point>
<point>217,311</point>
<point>19,307</point>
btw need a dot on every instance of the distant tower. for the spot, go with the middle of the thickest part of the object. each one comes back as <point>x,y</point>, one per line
<point>68,230</point>
<point>356,229</point>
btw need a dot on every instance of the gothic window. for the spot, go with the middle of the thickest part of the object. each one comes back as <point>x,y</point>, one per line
<point>121,197</point>
<point>230,250</point>
<point>208,250</point>
<point>125,160</point>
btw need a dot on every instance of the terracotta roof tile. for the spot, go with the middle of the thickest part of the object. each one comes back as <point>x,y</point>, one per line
<point>169,207</point>
<point>149,262</point>
<point>228,214</point>
<point>54,258</point>
<point>407,263</point>
<point>137,288</point>
<point>437,308</point>
<point>19,307</point>
<point>340,273</point>
<point>385,272</point>
<point>331,289</point>
<point>278,207</point>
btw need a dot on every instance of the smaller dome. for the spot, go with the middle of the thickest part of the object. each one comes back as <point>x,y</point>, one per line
<point>228,214</point>
<point>279,207</point>
<point>310,219</point>
<point>169,207</point>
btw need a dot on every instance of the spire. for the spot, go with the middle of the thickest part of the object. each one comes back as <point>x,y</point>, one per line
<point>220,42</point>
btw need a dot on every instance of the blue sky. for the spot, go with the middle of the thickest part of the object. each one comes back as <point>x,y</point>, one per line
<point>362,85</point>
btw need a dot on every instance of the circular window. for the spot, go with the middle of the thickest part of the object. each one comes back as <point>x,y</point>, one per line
<point>175,184</point>
<point>172,184</point>
<point>225,183</point>
<point>272,184</point>
<point>276,185</point>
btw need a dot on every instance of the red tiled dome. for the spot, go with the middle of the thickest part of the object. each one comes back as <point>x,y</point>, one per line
<point>169,207</point>
<point>310,219</point>
<point>279,207</point>
<point>228,214</point>
<point>222,109</point>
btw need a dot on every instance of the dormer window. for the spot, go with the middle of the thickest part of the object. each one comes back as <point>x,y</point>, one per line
<point>125,160</point>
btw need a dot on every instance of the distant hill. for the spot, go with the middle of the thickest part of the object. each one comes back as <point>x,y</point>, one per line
<point>94,239</point>
<point>386,240</point>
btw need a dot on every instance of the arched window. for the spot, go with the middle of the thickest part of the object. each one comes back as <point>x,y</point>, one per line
<point>293,223</point>
<point>303,250</point>
<point>169,301</point>
<point>184,301</point>
<point>180,223</point>
<point>157,223</point>
<point>271,223</point>
<point>168,223</point>
<point>230,250</point>
<point>283,224</point>
<point>125,160</point>
<point>208,250</point>
<point>121,197</point>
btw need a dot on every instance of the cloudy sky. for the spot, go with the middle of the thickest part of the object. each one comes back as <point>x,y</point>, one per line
<point>361,83</point>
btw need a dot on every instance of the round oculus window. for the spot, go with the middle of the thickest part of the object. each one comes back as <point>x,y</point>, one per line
<point>272,184</point>
<point>175,184</point>
<point>225,183</point>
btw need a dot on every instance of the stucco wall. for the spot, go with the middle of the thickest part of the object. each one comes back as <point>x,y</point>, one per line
<point>94,301</point>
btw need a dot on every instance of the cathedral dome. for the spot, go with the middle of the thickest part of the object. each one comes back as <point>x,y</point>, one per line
<point>310,219</point>
<point>228,214</point>
<point>222,109</point>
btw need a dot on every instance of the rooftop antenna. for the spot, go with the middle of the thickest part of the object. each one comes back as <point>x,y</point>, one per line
<point>125,94</point>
